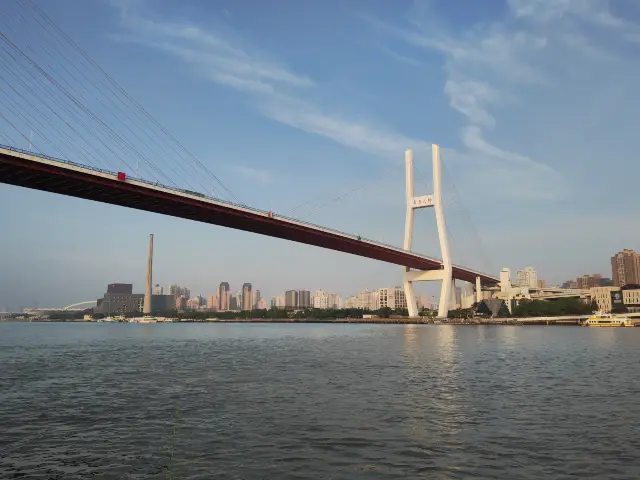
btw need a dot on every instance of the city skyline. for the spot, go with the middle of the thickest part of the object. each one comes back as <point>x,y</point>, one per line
<point>274,125</point>
<point>204,299</point>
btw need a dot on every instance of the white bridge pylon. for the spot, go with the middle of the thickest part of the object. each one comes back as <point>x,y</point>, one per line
<point>444,275</point>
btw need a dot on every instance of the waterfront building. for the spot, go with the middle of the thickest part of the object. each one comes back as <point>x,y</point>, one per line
<point>323,300</point>
<point>246,301</point>
<point>262,304</point>
<point>238,300</point>
<point>256,298</point>
<point>304,299</point>
<point>602,296</point>
<point>178,291</point>
<point>278,302</point>
<point>212,303</point>
<point>193,304</point>
<point>393,297</point>
<point>352,302</point>
<point>224,297</point>
<point>527,277</point>
<point>291,299</point>
<point>631,299</point>
<point>625,268</point>
<point>181,303</point>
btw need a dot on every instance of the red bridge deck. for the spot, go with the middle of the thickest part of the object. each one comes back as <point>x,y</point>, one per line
<point>25,169</point>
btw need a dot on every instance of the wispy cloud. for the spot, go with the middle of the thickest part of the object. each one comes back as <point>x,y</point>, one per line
<point>482,65</point>
<point>256,175</point>
<point>490,65</point>
<point>277,92</point>
<point>401,58</point>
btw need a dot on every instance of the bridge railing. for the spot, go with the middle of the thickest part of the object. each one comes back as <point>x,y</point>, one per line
<point>220,200</point>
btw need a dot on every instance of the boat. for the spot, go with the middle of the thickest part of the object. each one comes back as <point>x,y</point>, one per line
<point>601,319</point>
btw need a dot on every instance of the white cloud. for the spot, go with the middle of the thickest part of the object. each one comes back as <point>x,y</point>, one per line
<point>481,66</point>
<point>470,98</point>
<point>276,90</point>
<point>494,65</point>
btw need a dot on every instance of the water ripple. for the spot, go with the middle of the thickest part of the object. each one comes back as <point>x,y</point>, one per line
<point>318,401</point>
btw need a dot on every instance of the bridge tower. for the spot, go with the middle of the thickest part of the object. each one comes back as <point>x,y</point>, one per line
<point>444,275</point>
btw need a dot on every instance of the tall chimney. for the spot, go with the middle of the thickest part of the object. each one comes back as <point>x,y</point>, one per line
<point>147,293</point>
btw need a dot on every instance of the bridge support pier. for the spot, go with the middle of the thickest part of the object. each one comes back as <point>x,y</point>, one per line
<point>444,275</point>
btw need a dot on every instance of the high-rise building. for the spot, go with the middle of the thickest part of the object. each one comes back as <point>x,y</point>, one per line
<point>399,298</point>
<point>542,284</point>
<point>238,300</point>
<point>391,298</point>
<point>261,305</point>
<point>527,277</point>
<point>278,302</point>
<point>233,303</point>
<point>247,297</point>
<point>304,299</point>
<point>625,268</point>
<point>158,290</point>
<point>181,303</point>
<point>291,299</point>
<point>212,303</point>
<point>224,297</point>
<point>178,291</point>
<point>193,304</point>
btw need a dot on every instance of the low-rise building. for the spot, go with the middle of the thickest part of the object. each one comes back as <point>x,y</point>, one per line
<point>602,296</point>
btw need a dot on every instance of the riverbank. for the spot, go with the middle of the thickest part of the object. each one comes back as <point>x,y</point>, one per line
<point>373,321</point>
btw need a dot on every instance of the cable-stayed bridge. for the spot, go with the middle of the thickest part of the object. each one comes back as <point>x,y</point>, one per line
<point>88,138</point>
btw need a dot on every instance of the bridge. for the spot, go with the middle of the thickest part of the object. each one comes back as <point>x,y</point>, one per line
<point>25,169</point>
<point>79,111</point>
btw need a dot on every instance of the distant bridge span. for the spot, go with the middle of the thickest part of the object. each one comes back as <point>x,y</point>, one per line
<point>40,172</point>
<point>69,307</point>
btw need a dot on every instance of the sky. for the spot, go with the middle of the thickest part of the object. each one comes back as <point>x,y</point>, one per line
<point>534,103</point>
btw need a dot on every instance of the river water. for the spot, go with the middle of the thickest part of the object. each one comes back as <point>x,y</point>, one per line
<point>302,401</point>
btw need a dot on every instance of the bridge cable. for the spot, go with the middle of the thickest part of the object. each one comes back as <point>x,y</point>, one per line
<point>124,144</point>
<point>349,192</point>
<point>466,214</point>
<point>118,139</point>
<point>115,137</point>
<point>133,101</point>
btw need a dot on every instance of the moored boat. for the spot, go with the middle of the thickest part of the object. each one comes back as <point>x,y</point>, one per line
<point>600,319</point>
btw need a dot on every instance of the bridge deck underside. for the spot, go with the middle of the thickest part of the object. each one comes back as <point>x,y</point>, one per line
<point>50,178</point>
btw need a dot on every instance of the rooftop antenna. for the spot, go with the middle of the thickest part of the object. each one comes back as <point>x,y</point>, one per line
<point>137,175</point>
<point>30,139</point>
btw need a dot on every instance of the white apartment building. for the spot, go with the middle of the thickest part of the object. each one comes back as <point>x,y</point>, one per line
<point>393,297</point>
<point>527,277</point>
<point>322,299</point>
<point>278,301</point>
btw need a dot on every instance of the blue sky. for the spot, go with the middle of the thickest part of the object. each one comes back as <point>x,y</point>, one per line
<point>534,104</point>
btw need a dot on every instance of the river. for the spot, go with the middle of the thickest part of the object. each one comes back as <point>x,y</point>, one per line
<point>296,401</point>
